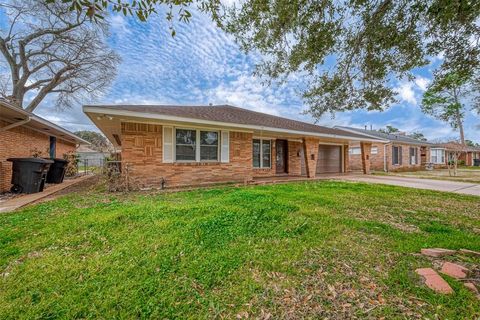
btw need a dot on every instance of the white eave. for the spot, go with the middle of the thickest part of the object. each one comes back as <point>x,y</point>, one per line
<point>43,122</point>
<point>127,113</point>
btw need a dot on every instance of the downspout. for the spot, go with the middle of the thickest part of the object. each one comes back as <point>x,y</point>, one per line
<point>16,124</point>
<point>385,157</point>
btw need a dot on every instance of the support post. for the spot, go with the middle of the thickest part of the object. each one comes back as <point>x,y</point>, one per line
<point>311,155</point>
<point>346,158</point>
<point>366,148</point>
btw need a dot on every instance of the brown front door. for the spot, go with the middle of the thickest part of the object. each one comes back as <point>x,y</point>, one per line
<point>281,156</point>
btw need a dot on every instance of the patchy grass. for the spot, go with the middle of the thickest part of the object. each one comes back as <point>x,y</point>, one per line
<point>465,174</point>
<point>302,250</point>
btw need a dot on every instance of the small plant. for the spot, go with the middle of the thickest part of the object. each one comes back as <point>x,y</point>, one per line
<point>72,165</point>
<point>37,153</point>
<point>116,176</point>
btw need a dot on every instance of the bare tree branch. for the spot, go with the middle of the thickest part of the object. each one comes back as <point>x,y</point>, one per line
<point>52,50</point>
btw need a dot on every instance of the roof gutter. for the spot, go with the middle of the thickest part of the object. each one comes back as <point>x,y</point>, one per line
<point>16,124</point>
<point>125,113</point>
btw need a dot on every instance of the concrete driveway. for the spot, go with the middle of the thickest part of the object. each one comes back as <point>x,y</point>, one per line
<point>418,183</point>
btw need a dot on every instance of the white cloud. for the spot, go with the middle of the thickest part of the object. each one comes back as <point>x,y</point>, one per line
<point>406,93</point>
<point>422,82</point>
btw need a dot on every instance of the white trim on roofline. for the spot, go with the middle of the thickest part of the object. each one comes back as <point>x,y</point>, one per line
<point>127,113</point>
<point>415,142</point>
<point>44,122</point>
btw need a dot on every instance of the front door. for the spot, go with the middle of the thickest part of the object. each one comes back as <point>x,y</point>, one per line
<point>281,158</point>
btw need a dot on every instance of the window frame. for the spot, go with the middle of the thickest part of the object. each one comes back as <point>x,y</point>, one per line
<point>350,151</point>
<point>197,145</point>
<point>399,156</point>
<point>372,150</point>
<point>442,155</point>
<point>199,135</point>
<point>261,154</point>
<point>415,155</point>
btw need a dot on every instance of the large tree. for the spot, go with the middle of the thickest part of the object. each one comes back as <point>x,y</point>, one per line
<point>49,49</point>
<point>97,10</point>
<point>352,53</point>
<point>99,141</point>
<point>445,99</point>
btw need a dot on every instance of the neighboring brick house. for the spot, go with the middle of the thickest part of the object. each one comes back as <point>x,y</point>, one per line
<point>468,156</point>
<point>22,134</point>
<point>397,152</point>
<point>471,154</point>
<point>194,145</point>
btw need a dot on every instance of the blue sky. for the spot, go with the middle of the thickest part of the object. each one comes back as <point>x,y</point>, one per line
<point>203,65</point>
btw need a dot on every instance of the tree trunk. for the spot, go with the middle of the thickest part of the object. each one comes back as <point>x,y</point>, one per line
<point>459,119</point>
<point>460,129</point>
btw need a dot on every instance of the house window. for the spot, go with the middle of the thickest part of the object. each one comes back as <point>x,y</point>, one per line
<point>413,153</point>
<point>437,156</point>
<point>187,147</point>
<point>208,146</point>
<point>374,150</point>
<point>355,150</point>
<point>396,155</point>
<point>262,153</point>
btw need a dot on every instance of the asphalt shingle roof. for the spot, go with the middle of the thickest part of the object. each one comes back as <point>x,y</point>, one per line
<point>230,114</point>
<point>389,136</point>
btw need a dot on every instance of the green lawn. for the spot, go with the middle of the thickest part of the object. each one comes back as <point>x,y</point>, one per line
<point>304,250</point>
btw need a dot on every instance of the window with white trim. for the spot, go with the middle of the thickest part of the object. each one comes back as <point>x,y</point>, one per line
<point>262,153</point>
<point>193,145</point>
<point>355,150</point>
<point>396,155</point>
<point>374,150</point>
<point>185,145</point>
<point>413,155</point>
<point>437,156</point>
<point>208,146</point>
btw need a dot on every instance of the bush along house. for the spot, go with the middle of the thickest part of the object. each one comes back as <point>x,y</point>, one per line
<point>25,135</point>
<point>397,152</point>
<point>196,145</point>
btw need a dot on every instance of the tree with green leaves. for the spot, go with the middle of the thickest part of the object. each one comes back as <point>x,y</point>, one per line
<point>97,10</point>
<point>417,135</point>
<point>445,99</point>
<point>389,129</point>
<point>470,143</point>
<point>99,141</point>
<point>351,54</point>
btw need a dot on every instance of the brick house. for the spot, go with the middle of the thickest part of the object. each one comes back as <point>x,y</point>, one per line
<point>195,145</point>
<point>468,156</point>
<point>396,152</point>
<point>22,134</point>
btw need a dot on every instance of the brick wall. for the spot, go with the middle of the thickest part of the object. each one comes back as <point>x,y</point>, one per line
<point>21,142</point>
<point>142,157</point>
<point>296,158</point>
<point>377,160</point>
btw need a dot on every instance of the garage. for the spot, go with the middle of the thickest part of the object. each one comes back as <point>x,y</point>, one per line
<point>329,159</point>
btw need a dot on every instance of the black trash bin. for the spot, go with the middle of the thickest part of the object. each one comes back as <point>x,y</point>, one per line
<point>476,162</point>
<point>56,173</point>
<point>29,174</point>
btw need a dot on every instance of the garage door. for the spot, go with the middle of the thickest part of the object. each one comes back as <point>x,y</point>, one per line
<point>329,159</point>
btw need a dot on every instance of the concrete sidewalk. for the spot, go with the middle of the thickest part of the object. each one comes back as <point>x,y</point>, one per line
<point>25,199</point>
<point>418,183</point>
